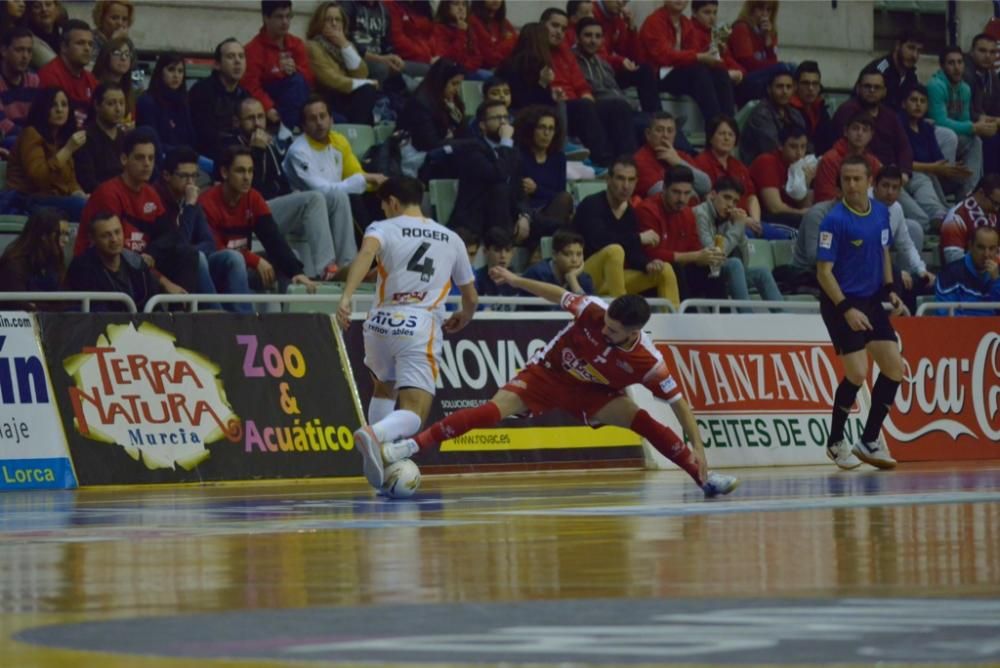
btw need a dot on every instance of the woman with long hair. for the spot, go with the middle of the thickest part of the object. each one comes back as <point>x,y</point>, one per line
<point>434,116</point>
<point>12,13</point>
<point>494,34</point>
<point>454,38</point>
<point>34,261</point>
<point>114,65</point>
<point>164,107</point>
<point>112,19</point>
<point>41,163</point>
<point>753,43</point>
<point>341,73</point>
<point>539,136</point>
<point>528,70</point>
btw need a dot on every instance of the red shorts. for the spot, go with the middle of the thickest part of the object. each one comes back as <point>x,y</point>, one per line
<point>543,390</point>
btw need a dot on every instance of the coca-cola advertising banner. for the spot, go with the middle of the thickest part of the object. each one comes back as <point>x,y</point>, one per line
<point>473,365</point>
<point>761,387</point>
<point>948,405</point>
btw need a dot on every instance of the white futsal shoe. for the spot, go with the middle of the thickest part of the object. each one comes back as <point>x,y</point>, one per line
<point>841,455</point>
<point>399,450</point>
<point>719,484</point>
<point>371,456</point>
<point>877,454</point>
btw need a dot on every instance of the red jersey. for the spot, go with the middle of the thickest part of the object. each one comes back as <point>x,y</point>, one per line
<point>962,222</point>
<point>770,171</point>
<point>139,212</point>
<point>79,89</point>
<point>494,40</point>
<point>233,226</point>
<point>661,46</point>
<point>651,169</point>
<point>581,351</point>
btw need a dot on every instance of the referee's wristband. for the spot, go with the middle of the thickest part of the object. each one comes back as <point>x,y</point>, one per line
<point>844,306</point>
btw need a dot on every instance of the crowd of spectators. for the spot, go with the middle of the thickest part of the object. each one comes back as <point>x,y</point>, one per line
<point>171,183</point>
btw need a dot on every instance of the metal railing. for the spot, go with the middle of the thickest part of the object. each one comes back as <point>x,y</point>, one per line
<point>85,298</point>
<point>951,307</point>
<point>716,304</point>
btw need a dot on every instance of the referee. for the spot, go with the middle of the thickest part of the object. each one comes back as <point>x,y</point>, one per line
<point>854,269</point>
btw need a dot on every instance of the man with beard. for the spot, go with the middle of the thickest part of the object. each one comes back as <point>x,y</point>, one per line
<point>489,189</point>
<point>891,146</point>
<point>215,101</point>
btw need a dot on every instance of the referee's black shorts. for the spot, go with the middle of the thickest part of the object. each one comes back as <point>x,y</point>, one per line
<point>846,340</point>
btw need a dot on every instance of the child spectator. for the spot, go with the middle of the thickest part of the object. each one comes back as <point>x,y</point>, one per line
<point>341,74</point>
<point>493,33</point>
<point>565,268</point>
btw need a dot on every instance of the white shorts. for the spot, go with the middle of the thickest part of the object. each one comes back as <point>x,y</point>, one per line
<point>403,346</point>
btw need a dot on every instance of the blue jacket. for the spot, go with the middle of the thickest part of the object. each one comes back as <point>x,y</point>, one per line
<point>960,282</point>
<point>950,105</point>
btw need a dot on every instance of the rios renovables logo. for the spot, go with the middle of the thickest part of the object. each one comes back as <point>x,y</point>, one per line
<point>161,403</point>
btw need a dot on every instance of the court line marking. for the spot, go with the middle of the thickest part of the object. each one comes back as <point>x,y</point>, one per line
<point>764,505</point>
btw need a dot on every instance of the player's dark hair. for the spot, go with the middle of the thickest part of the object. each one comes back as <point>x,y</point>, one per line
<point>889,172</point>
<point>630,310</point>
<point>550,11</point>
<point>268,7</point>
<point>467,236</point>
<point>179,155</point>
<point>728,184</point>
<point>948,50</point>
<point>498,237</point>
<point>587,22</point>
<point>678,174</point>
<point>853,160</point>
<point>406,189</point>
<point>807,67</point>
<point>623,160</point>
<point>860,118</point>
<point>792,131</point>
<point>137,137</point>
<point>230,153</point>
<point>698,4</point>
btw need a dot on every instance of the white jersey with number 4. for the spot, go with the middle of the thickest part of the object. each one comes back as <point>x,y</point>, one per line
<point>418,261</point>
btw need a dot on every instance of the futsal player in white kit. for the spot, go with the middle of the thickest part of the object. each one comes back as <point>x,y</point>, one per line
<point>418,260</point>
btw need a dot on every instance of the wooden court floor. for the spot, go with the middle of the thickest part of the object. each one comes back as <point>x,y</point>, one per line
<point>801,566</point>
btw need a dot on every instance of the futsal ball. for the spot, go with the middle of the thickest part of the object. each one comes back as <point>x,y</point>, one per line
<point>402,479</point>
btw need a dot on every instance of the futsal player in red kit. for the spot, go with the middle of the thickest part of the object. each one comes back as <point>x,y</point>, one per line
<point>584,371</point>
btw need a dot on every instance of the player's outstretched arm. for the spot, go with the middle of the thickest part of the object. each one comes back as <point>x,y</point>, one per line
<point>355,274</point>
<point>685,416</point>
<point>552,293</point>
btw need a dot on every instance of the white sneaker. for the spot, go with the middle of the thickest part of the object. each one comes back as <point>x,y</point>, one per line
<point>719,484</point>
<point>877,454</point>
<point>371,456</point>
<point>399,450</point>
<point>841,455</point>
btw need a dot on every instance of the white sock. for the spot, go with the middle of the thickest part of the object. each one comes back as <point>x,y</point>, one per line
<point>379,408</point>
<point>397,424</point>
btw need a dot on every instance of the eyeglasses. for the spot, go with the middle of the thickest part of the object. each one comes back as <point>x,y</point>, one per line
<point>121,53</point>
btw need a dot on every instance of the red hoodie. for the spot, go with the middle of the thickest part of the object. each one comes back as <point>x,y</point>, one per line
<point>264,65</point>
<point>458,45</point>
<point>411,33</point>
<point>569,77</point>
<point>703,43</point>
<point>658,36</point>
<point>620,41</point>
<point>495,41</point>
<point>678,231</point>
<point>750,48</point>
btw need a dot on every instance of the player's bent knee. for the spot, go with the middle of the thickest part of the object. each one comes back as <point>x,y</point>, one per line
<point>508,403</point>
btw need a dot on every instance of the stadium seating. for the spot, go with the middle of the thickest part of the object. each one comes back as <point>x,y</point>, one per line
<point>361,137</point>
<point>760,254</point>
<point>472,96</point>
<point>782,251</point>
<point>582,189</point>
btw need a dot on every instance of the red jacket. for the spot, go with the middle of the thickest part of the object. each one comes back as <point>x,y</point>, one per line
<point>657,37</point>
<point>569,77</point>
<point>734,169</point>
<point>264,65</point>
<point>678,231</point>
<point>495,41</point>
<point>750,49</point>
<point>704,42</point>
<point>140,213</point>
<point>650,168</point>
<point>458,45</point>
<point>826,185</point>
<point>620,41</point>
<point>412,34</point>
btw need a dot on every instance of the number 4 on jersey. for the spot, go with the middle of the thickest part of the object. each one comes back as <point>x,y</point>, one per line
<point>424,268</point>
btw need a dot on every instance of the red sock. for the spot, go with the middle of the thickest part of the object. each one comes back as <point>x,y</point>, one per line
<point>667,443</point>
<point>459,422</point>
